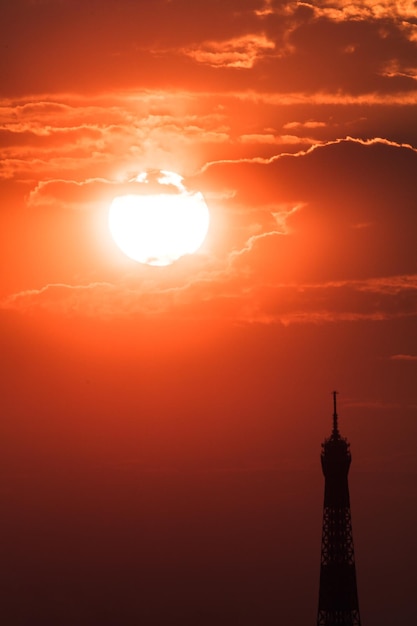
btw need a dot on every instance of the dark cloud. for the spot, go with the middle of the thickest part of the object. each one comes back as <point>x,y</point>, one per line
<point>212,44</point>
<point>357,215</point>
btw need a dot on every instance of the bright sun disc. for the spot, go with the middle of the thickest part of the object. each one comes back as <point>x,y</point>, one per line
<point>159,228</point>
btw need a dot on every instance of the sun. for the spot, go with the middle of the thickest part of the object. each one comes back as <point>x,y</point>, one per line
<point>162,223</point>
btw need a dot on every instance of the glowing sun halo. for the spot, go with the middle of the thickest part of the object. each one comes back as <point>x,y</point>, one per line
<point>159,228</point>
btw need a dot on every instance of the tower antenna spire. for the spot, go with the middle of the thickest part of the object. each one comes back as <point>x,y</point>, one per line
<point>335,426</point>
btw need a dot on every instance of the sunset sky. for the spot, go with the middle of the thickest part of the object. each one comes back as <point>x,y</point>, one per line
<point>161,426</point>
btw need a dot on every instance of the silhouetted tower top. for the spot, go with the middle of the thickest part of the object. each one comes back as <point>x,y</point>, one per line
<point>338,597</point>
<point>335,462</point>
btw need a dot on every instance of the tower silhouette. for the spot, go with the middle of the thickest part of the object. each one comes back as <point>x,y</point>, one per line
<point>338,595</point>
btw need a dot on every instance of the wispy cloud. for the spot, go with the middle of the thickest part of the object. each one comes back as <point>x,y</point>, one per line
<point>240,52</point>
<point>316,146</point>
<point>364,10</point>
<point>217,292</point>
<point>403,357</point>
<point>72,137</point>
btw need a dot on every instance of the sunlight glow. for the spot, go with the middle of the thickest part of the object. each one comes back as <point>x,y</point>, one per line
<point>157,229</point>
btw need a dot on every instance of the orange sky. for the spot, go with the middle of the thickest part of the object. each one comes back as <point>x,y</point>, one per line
<point>161,427</point>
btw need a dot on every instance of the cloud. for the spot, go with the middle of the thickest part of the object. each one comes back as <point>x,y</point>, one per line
<point>107,136</point>
<point>318,236</point>
<point>98,299</point>
<point>307,124</point>
<point>277,140</point>
<point>266,9</point>
<point>240,52</point>
<point>356,219</point>
<point>403,357</point>
<point>70,194</point>
<point>112,136</point>
<point>365,9</point>
<point>286,47</point>
<point>223,296</point>
<point>259,138</point>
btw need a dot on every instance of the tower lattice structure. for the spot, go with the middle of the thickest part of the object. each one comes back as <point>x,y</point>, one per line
<point>338,595</point>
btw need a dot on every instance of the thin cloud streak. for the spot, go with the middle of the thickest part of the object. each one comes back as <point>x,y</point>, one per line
<point>404,357</point>
<point>205,296</point>
<point>316,146</point>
